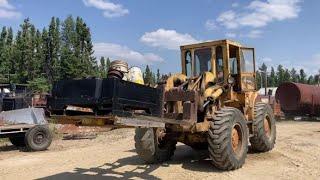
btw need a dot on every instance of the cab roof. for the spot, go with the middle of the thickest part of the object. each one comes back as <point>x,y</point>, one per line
<point>210,43</point>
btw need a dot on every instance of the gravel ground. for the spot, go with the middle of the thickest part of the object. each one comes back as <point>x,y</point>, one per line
<point>112,155</point>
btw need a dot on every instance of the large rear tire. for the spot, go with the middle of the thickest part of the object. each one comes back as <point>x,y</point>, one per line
<point>264,128</point>
<point>151,148</point>
<point>38,138</point>
<point>228,139</point>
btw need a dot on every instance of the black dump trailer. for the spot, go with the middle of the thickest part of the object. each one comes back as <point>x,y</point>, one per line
<point>109,101</point>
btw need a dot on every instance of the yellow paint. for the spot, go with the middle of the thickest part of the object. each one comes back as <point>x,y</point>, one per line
<point>213,92</point>
<point>172,80</point>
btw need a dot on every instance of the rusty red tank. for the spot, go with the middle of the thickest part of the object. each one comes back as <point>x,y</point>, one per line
<point>299,99</point>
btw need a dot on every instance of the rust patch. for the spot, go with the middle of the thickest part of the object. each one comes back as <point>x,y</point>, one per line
<point>177,94</point>
<point>79,109</point>
<point>267,128</point>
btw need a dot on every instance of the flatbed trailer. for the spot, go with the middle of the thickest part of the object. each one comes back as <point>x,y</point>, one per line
<point>26,128</point>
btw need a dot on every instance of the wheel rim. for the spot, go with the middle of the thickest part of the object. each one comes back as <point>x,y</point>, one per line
<point>236,138</point>
<point>267,127</point>
<point>39,138</point>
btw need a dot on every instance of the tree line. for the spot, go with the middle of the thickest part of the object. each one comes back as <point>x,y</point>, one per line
<point>277,76</point>
<point>63,50</point>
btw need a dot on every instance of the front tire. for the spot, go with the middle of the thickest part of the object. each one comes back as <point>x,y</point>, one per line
<point>151,148</point>
<point>264,128</point>
<point>228,139</point>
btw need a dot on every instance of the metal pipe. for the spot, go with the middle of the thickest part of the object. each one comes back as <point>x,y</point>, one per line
<point>299,99</point>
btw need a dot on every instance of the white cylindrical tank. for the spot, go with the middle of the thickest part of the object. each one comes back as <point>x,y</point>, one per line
<point>135,75</point>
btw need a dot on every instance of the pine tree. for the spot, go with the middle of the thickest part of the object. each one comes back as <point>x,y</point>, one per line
<point>280,75</point>
<point>286,76</point>
<point>302,76</point>
<point>32,63</point>
<point>103,68</point>
<point>158,76</point>
<point>25,52</point>
<point>10,54</point>
<point>77,58</point>
<point>263,72</point>
<point>272,78</point>
<point>52,64</point>
<point>148,76</point>
<point>311,80</point>
<point>4,61</point>
<point>108,64</point>
<point>69,62</point>
<point>294,75</point>
<point>3,38</point>
<point>258,79</point>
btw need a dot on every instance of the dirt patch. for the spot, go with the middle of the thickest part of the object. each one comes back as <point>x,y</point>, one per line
<point>112,155</point>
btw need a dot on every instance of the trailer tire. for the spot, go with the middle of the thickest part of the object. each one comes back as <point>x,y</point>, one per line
<point>18,141</point>
<point>228,139</point>
<point>148,148</point>
<point>264,128</point>
<point>38,138</point>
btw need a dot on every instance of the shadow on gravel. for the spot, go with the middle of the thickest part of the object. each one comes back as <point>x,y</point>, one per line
<point>132,167</point>
<point>8,148</point>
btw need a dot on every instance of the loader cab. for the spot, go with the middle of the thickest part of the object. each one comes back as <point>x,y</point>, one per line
<point>225,59</point>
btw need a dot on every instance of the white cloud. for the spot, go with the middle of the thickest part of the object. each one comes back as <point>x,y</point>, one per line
<point>169,39</point>
<point>259,14</point>
<point>227,19</point>
<point>109,9</point>
<point>8,11</point>
<point>231,35</point>
<point>5,4</point>
<point>211,24</point>
<point>116,51</point>
<point>253,34</point>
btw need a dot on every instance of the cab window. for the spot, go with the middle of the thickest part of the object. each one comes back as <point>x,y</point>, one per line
<point>188,60</point>
<point>202,60</point>
<point>233,62</point>
<point>247,60</point>
<point>219,64</point>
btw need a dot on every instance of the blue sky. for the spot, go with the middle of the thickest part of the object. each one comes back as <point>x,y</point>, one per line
<point>150,31</point>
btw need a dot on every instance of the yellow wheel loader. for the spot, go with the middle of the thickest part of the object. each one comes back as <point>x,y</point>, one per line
<point>210,105</point>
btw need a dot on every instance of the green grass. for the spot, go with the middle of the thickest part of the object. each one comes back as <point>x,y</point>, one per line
<point>3,140</point>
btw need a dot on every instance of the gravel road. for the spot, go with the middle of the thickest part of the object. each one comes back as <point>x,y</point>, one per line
<point>112,155</point>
